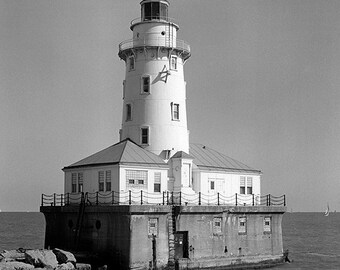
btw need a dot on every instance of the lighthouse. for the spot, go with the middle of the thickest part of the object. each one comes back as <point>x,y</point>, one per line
<point>154,90</point>
<point>154,200</point>
<point>154,154</point>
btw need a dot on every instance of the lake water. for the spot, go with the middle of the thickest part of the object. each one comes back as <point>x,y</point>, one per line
<point>313,240</point>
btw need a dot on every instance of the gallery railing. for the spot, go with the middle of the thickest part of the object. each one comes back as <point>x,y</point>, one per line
<point>155,42</point>
<point>142,197</point>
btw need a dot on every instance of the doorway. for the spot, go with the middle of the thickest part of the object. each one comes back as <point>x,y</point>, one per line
<point>181,245</point>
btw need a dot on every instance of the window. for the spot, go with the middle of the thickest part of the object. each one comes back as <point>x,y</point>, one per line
<point>246,186</point>
<point>267,224</point>
<point>249,185</point>
<point>173,62</point>
<point>124,83</point>
<point>74,182</point>
<point>136,179</point>
<point>140,182</point>
<point>131,63</point>
<point>217,225</point>
<point>145,135</point>
<point>174,111</point>
<point>164,11</point>
<point>128,112</point>
<point>154,11</point>
<point>153,227</point>
<point>242,185</point>
<point>157,182</point>
<point>77,180</point>
<point>101,180</point>
<point>131,181</point>
<point>80,182</point>
<point>212,185</point>
<point>145,84</point>
<point>242,225</point>
<point>108,180</point>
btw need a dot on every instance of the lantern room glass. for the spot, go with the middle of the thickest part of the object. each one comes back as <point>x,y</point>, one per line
<point>154,11</point>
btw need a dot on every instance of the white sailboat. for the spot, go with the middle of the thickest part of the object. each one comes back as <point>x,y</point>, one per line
<point>327,211</point>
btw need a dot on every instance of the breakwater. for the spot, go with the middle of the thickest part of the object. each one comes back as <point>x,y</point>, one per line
<point>28,259</point>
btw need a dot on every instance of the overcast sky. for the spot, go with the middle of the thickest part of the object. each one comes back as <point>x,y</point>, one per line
<point>262,87</point>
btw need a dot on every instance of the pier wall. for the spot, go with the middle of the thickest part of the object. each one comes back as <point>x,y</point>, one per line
<point>131,236</point>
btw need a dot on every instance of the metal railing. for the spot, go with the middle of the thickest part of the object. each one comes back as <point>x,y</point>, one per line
<point>142,197</point>
<point>154,42</point>
<point>152,19</point>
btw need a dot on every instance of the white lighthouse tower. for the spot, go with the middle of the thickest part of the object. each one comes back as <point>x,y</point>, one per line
<point>154,95</point>
<point>143,190</point>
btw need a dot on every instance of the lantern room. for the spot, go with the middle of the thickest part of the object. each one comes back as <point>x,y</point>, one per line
<point>154,10</point>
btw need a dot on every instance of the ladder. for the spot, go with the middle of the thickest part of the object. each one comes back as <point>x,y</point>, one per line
<point>169,37</point>
<point>171,237</point>
<point>80,219</point>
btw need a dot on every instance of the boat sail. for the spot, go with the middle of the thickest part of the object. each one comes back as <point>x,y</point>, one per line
<point>327,211</point>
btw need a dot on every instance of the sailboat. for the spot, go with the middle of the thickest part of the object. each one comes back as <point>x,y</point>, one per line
<point>327,211</point>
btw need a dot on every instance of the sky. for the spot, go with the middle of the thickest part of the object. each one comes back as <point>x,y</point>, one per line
<point>262,87</point>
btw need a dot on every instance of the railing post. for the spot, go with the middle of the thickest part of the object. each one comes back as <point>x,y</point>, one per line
<point>218,198</point>
<point>284,200</point>
<point>130,197</point>
<point>199,198</point>
<point>163,197</point>
<point>268,199</point>
<point>172,197</point>
<point>167,197</point>
<point>53,199</point>
<point>180,198</point>
<point>141,197</point>
<point>253,199</point>
<point>236,199</point>
<point>97,198</point>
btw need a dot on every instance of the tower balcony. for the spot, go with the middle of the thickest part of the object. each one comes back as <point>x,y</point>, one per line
<point>128,46</point>
<point>161,19</point>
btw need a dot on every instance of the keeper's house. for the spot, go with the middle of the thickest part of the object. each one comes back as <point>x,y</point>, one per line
<point>154,200</point>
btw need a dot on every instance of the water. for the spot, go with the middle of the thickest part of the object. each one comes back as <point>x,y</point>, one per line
<point>21,230</point>
<point>313,240</point>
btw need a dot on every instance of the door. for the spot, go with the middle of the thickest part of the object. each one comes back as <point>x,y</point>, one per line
<point>186,175</point>
<point>181,245</point>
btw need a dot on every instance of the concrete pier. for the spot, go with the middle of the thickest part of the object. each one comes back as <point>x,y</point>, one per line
<point>144,236</point>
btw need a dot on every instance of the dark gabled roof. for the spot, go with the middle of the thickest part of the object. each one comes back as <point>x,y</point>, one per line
<point>125,152</point>
<point>207,158</point>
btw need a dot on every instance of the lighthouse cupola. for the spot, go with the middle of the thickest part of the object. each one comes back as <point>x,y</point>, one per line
<point>154,10</point>
<point>154,90</point>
